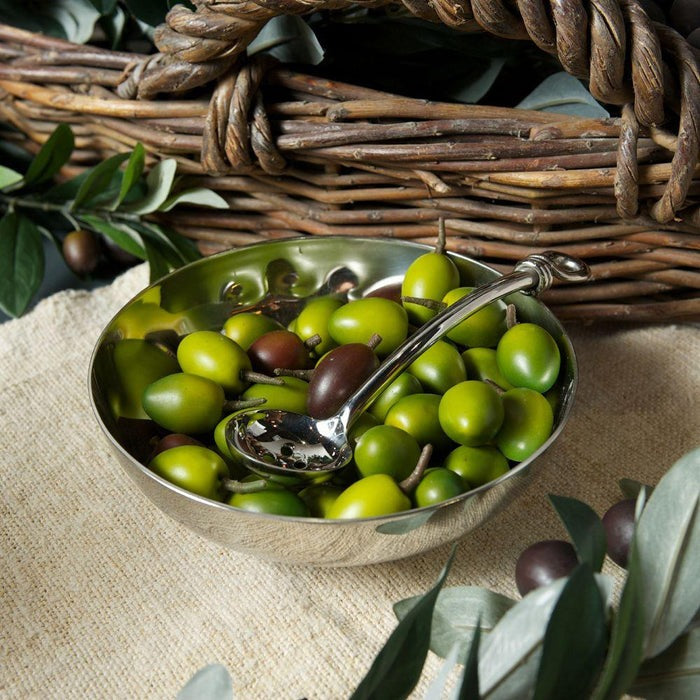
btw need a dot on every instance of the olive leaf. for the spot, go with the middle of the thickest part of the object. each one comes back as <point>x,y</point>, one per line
<point>123,235</point>
<point>158,263</point>
<point>104,7</point>
<point>159,182</point>
<point>113,24</point>
<point>398,666</point>
<point>51,157</point>
<point>564,94</point>
<point>199,196</point>
<point>570,662</point>
<point>182,250</point>
<point>8,177</point>
<point>289,39</point>
<point>668,540</point>
<point>21,263</point>
<point>68,19</point>
<point>132,174</point>
<point>675,673</point>
<point>99,180</point>
<point>511,653</point>
<point>212,682</point>
<point>468,684</point>
<point>437,687</point>
<point>458,612</point>
<point>584,527</point>
<point>631,488</point>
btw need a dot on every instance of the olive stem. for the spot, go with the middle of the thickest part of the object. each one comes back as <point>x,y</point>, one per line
<point>239,404</point>
<point>259,378</point>
<point>442,237</point>
<point>374,341</point>
<point>413,479</point>
<point>431,304</point>
<point>304,374</point>
<point>236,486</point>
<point>499,389</point>
<point>511,316</point>
<point>313,341</point>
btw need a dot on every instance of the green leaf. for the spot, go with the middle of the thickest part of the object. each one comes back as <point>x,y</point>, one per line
<point>132,173</point>
<point>199,196</point>
<point>21,263</point>
<point>98,180</point>
<point>159,182</point>
<point>476,86</point>
<point>626,638</point>
<point>76,17</point>
<point>151,12</point>
<point>212,682</point>
<point>574,643</point>
<point>176,248</point>
<point>398,666</point>
<point>459,610</point>
<point>65,191</point>
<point>123,235</point>
<point>113,25</point>
<point>510,655</point>
<point>584,527</point>
<point>289,39</point>
<point>564,94</point>
<point>159,262</point>
<point>52,156</point>
<point>631,488</point>
<point>8,177</point>
<point>437,687</point>
<point>468,686</point>
<point>673,674</point>
<point>104,7</point>
<point>668,540</point>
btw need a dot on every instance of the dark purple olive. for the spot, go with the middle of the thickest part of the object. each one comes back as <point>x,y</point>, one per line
<point>81,251</point>
<point>542,563</point>
<point>387,291</point>
<point>174,440</point>
<point>118,254</point>
<point>619,528</point>
<point>278,350</point>
<point>337,375</point>
<point>684,16</point>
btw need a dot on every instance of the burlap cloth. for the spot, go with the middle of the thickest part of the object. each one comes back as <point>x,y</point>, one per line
<point>102,595</point>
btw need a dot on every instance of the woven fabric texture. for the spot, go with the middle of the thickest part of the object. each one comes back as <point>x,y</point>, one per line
<point>102,595</point>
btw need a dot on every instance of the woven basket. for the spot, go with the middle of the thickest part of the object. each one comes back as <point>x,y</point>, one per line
<point>297,154</point>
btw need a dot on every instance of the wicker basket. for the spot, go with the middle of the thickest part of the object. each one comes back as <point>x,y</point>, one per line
<point>296,154</point>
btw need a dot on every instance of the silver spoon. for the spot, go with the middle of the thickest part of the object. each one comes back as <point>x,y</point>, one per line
<point>275,442</point>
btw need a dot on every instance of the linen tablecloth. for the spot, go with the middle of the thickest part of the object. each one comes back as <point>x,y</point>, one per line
<point>102,595</point>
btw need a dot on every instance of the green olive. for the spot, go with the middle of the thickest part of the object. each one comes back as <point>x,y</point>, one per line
<point>245,328</point>
<point>313,320</point>
<point>137,363</point>
<point>274,501</point>
<point>528,356</point>
<point>471,413</point>
<point>429,276</point>
<point>289,397</point>
<point>439,367</point>
<point>319,498</point>
<point>361,425</point>
<point>184,403</point>
<point>483,328</point>
<point>357,321</point>
<point>438,485</point>
<point>477,465</point>
<point>194,468</point>
<point>481,364</point>
<point>527,423</point>
<point>386,449</point>
<point>418,415</point>
<point>372,496</point>
<point>216,357</point>
<point>404,385</point>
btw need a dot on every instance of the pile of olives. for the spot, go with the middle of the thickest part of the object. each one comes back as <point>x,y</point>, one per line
<point>463,413</point>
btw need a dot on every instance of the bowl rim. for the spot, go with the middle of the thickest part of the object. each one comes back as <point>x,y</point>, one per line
<point>519,468</point>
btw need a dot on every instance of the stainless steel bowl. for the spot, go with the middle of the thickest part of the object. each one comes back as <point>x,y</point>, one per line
<point>278,276</point>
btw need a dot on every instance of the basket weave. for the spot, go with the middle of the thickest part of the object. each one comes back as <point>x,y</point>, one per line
<point>297,154</point>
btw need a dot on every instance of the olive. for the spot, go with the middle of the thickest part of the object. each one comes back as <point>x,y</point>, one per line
<point>313,320</point>
<point>438,485</point>
<point>477,465</point>
<point>117,253</point>
<point>403,385</point>
<point>387,291</point>
<point>528,356</point>
<point>245,328</point>
<point>542,563</point>
<point>137,363</point>
<point>471,413</point>
<point>357,321</point>
<point>386,449</point>
<point>481,364</point>
<point>81,251</point>
<point>214,356</point>
<point>184,403</point>
<point>220,435</point>
<point>417,414</point>
<point>291,396</point>
<point>369,497</point>
<point>360,426</point>
<point>439,367</point>
<point>274,501</point>
<point>319,498</point>
<point>171,440</point>
<point>527,423</point>
<point>336,377</point>
<point>192,467</point>
<point>483,328</point>
<point>280,349</point>
<point>619,524</point>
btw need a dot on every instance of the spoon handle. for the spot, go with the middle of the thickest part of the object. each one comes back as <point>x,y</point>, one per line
<point>532,275</point>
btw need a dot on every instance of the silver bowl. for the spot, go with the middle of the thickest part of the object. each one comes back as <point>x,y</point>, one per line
<point>278,276</point>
